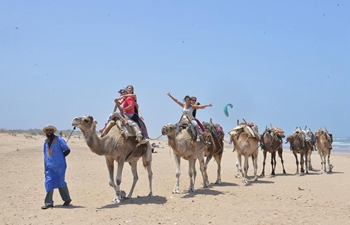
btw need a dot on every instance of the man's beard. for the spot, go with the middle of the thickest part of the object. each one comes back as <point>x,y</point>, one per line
<point>50,135</point>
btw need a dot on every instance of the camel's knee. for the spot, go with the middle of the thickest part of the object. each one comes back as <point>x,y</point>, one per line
<point>119,181</point>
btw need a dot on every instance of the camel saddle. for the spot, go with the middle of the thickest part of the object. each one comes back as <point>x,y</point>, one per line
<point>215,129</point>
<point>127,127</point>
<point>250,131</point>
<point>185,123</point>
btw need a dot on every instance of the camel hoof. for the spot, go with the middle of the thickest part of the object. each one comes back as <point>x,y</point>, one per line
<point>245,181</point>
<point>150,194</point>
<point>123,194</point>
<point>176,191</point>
<point>116,199</point>
<point>191,190</point>
<point>330,168</point>
<point>218,182</point>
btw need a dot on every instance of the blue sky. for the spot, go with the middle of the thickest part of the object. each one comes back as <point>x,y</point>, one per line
<point>285,63</point>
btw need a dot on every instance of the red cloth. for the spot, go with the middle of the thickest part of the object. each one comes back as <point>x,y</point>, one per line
<point>129,101</point>
<point>199,124</point>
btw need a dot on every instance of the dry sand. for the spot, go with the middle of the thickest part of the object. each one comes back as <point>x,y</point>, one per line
<point>282,199</point>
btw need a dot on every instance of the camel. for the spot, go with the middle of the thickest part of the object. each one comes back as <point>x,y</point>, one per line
<point>213,137</point>
<point>323,143</point>
<point>299,145</point>
<point>310,138</point>
<point>246,142</point>
<point>115,147</point>
<point>185,146</point>
<point>271,141</point>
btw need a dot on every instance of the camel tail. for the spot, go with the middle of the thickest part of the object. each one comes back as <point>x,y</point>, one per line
<point>147,157</point>
<point>145,163</point>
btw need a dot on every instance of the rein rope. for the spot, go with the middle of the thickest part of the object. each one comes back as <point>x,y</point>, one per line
<point>70,134</point>
<point>156,137</point>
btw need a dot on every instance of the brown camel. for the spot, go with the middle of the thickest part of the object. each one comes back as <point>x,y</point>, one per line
<point>246,142</point>
<point>323,143</point>
<point>299,145</point>
<point>213,137</point>
<point>310,138</point>
<point>185,146</point>
<point>115,147</point>
<point>271,141</point>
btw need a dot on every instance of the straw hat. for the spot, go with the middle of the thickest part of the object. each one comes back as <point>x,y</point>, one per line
<point>49,127</point>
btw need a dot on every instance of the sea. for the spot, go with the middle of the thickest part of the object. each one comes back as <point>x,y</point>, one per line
<point>341,145</point>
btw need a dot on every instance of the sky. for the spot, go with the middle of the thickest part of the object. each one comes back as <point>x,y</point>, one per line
<point>280,63</point>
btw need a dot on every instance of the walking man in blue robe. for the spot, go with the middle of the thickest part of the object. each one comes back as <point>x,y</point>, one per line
<point>55,151</point>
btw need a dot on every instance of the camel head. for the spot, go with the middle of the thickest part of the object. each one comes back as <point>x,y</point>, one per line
<point>320,132</point>
<point>268,133</point>
<point>168,129</point>
<point>234,134</point>
<point>206,137</point>
<point>84,123</point>
<point>290,139</point>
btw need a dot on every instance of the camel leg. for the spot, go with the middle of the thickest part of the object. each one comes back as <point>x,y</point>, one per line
<point>110,167</point>
<point>307,162</point>
<point>208,159</point>
<point>273,163</point>
<point>296,162</point>
<point>147,163</point>
<point>255,165</point>
<point>239,166</point>
<point>324,166</point>
<point>194,171</point>
<point>245,167</point>
<point>218,172</point>
<point>280,151</point>
<point>119,193</point>
<point>302,163</point>
<point>322,162</point>
<point>135,177</point>
<point>309,159</point>
<point>191,165</point>
<point>203,169</point>
<point>264,162</point>
<point>178,173</point>
<point>330,166</point>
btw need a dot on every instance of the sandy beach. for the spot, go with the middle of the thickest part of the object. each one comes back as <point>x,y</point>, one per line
<point>312,198</point>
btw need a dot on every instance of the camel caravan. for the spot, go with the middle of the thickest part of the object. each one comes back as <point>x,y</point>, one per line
<point>121,142</point>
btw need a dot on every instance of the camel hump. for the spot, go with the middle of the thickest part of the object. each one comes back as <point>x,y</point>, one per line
<point>215,129</point>
<point>278,131</point>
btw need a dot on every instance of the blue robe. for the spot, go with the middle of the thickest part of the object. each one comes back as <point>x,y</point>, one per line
<point>55,163</point>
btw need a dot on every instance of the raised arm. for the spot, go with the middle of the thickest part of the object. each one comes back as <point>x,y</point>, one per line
<point>128,95</point>
<point>175,100</point>
<point>201,106</point>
